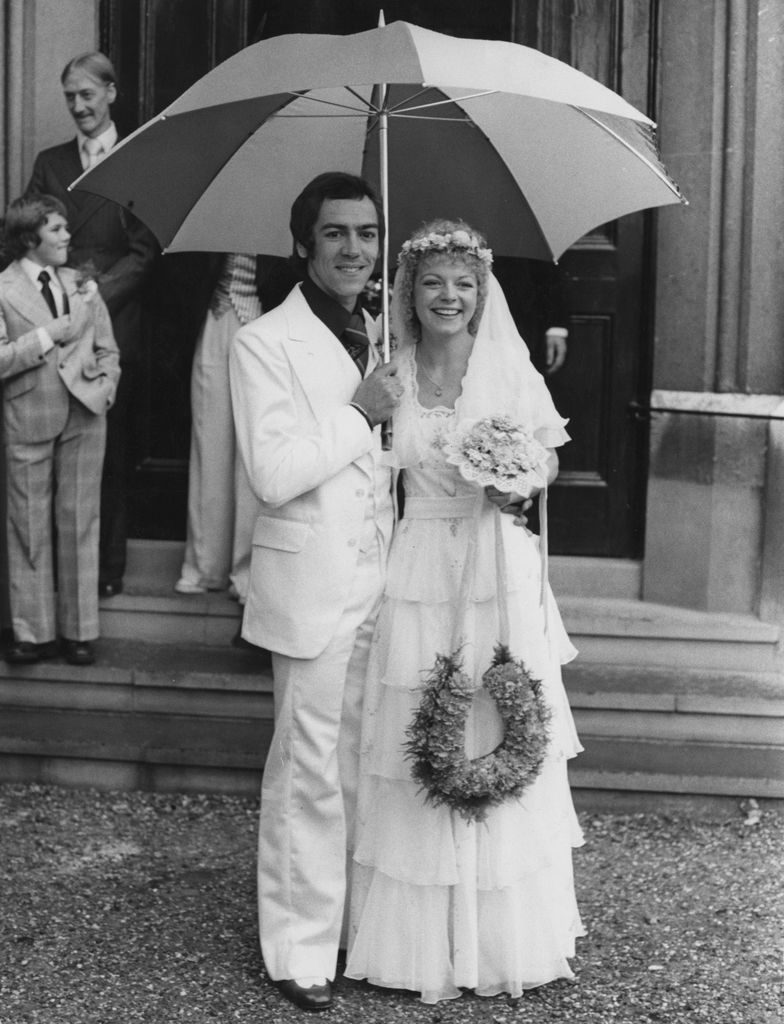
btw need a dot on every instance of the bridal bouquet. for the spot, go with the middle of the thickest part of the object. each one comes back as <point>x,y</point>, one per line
<point>496,451</point>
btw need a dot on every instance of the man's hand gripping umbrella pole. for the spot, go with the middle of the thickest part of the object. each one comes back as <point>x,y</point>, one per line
<point>380,392</point>
<point>386,428</point>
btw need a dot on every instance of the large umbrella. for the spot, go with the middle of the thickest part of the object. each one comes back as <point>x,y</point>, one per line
<point>519,144</point>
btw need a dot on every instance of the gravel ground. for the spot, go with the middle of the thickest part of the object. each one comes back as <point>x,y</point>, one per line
<point>128,907</point>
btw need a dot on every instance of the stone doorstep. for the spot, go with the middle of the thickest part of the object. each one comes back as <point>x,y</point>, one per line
<point>599,616</point>
<point>653,782</point>
<point>180,716</point>
<point>154,567</point>
<point>134,663</point>
<point>124,664</point>
<point>657,688</point>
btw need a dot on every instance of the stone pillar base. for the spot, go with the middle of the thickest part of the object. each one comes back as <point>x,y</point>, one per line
<point>706,500</point>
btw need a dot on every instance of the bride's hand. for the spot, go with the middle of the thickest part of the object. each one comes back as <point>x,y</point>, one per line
<point>510,503</point>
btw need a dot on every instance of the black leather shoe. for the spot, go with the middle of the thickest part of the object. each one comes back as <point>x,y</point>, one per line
<point>23,652</point>
<point>316,997</point>
<point>78,652</point>
<point>110,589</point>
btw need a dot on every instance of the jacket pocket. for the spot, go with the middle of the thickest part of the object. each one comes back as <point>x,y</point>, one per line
<point>281,534</point>
<point>91,369</point>
<point>18,385</point>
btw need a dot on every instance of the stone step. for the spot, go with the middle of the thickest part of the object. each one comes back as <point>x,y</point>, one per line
<point>598,598</point>
<point>154,567</point>
<point>605,631</point>
<point>183,716</point>
<point>619,631</point>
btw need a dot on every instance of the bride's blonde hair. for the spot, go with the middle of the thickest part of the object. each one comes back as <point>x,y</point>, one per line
<point>453,240</point>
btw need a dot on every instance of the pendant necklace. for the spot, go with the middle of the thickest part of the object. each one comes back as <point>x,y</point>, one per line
<point>437,388</point>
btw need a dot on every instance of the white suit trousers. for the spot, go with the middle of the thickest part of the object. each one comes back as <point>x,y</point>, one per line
<point>309,789</point>
<point>222,508</point>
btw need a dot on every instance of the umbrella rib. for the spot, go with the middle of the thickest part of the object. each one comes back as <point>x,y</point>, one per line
<point>406,99</point>
<point>305,117</point>
<point>440,103</point>
<point>640,156</point>
<point>369,104</point>
<point>331,103</point>
<point>441,120</point>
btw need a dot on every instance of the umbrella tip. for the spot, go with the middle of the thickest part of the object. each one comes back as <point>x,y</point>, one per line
<point>381,19</point>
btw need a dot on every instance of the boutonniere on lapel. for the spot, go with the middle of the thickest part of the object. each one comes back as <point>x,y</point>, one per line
<point>86,281</point>
<point>371,302</point>
<point>379,345</point>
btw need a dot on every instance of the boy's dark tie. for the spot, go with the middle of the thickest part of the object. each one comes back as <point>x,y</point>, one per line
<point>44,277</point>
<point>356,343</point>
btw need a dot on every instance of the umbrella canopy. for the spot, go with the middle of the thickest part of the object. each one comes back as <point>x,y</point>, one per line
<point>523,146</point>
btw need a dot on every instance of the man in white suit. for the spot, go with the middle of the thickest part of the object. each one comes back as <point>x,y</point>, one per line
<point>308,397</point>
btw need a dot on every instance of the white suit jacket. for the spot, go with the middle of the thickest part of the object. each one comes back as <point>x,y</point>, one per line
<point>308,457</point>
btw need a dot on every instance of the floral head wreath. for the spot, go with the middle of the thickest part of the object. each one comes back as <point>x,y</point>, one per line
<point>459,241</point>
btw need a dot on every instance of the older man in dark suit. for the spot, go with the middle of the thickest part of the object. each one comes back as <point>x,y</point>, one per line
<point>111,245</point>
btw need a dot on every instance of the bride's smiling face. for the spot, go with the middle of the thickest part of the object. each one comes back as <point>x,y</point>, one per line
<point>445,296</point>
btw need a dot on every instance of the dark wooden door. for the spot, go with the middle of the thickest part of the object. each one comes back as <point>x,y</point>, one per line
<point>597,505</point>
<point>162,46</point>
<point>159,48</point>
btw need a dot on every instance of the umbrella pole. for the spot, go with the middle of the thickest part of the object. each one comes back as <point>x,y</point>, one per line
<point>386,428</point>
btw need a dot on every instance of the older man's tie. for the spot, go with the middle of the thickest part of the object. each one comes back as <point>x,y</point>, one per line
<point>94,151</point>
<point>356,342</point>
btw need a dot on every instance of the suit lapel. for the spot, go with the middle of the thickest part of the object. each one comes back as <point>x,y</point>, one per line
<point>84,204</point>
<point>25,298</point>
<point>317,357</point>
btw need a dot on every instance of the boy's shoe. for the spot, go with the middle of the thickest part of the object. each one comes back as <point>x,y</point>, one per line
<point>24,652</point>
<point>78,652</point>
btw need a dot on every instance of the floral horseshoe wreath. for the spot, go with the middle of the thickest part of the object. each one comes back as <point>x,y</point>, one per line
<point>435,744</point>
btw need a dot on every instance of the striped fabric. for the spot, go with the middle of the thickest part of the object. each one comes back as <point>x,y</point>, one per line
<point>236,289</point>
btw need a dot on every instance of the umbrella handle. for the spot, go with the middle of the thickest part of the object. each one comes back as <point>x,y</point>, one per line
<point>386,436</point>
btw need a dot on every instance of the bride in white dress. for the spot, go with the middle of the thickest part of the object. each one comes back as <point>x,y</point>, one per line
<point>442,902</point>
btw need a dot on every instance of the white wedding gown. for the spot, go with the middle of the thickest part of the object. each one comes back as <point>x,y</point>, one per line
<point>439,904</point>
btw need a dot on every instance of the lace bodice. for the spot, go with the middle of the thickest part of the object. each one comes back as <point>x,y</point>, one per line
<point>433,476</point>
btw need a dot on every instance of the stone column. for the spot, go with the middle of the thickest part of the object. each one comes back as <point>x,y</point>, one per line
<point>719,357</point>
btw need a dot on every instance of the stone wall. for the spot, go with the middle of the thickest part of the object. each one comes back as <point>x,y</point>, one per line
<point>712,535</point>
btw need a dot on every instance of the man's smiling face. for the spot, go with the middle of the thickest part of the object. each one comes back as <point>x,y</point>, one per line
<point>345,248</point>
<point>88,102</point>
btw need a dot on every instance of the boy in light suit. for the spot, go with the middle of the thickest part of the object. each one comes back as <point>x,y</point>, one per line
<point>60,367</point>
<point>308,398</point>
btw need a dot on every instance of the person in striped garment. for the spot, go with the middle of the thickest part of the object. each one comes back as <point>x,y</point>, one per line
<point>221,505</point>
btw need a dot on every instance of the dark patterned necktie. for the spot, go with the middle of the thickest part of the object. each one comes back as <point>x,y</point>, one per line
<point>355,341</point>
<point>44,277</point>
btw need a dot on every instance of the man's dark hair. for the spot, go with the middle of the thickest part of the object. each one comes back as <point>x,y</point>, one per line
<point>24,219</point>
<point>307,206</point>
